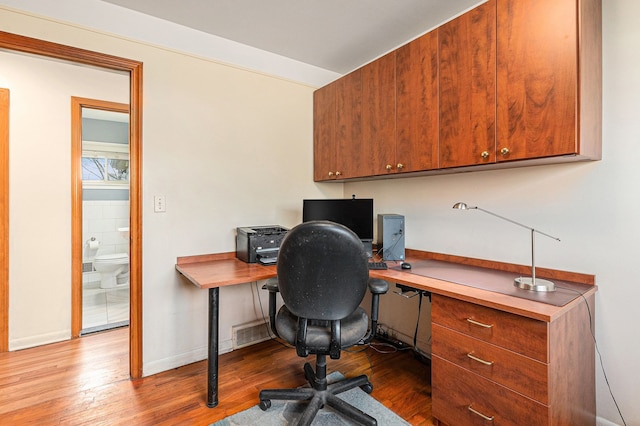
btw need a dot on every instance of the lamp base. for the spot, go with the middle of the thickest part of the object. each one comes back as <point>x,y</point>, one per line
<point>527,283</point>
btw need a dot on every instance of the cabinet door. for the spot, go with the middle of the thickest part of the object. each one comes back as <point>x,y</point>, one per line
<point>537,78</point>
<point>324,133</point>
<point>377,148</point>
<point>417,105</point>
<point>467,53</point>
<point>348,124</point>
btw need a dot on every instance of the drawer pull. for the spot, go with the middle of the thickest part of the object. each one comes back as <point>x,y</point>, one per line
<point>487,418</point>
<point>481,361</point>
<point>479,323</point>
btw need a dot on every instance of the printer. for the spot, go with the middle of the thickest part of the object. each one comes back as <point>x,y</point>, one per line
<point>259,244</point>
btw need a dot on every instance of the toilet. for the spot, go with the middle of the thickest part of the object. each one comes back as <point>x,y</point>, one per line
<point>113,269</point>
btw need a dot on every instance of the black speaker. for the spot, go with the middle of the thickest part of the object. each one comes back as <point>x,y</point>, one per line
<point>391,236</point>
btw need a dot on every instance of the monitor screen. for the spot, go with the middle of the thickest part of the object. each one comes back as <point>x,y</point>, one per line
<point>355,214</point>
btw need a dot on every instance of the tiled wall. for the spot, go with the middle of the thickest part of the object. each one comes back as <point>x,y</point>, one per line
<point>101,219</point>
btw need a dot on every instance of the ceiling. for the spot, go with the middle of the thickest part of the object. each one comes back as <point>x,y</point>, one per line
<point>335,35</point>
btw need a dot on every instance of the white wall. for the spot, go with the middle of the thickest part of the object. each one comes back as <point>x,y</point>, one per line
<point>212,137</point>
<point>227,147</point>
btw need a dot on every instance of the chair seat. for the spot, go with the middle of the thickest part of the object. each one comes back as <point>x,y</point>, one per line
<point>353,328</point>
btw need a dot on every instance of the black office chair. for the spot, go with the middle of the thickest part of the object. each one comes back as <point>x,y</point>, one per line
<point>323,277</point>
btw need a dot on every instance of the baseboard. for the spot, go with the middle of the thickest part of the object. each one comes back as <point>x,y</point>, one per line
<point>604,422</point>
<point>39,340</point>
<point>199,354</point>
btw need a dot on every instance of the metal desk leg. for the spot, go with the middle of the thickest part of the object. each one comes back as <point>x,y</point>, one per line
<point>212,366</point>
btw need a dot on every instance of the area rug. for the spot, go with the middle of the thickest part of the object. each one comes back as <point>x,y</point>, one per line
<point>284,413</point>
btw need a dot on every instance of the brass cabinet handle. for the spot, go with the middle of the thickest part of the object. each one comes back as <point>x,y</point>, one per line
<point>481,361</point>
<point>338,173</point>
<point>400,166</point>
<point>388,167</point>
<point>469,320</point>
<point>504,151</point>
<point>330,174</point>
<point>485,154</point>
<point>476,412</point>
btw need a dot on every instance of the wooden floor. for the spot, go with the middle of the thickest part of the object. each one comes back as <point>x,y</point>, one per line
<point>85,382</point>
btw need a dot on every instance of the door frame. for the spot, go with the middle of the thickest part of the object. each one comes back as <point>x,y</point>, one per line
<point>4,219</point>
<point>77,243</point>
<point>18,43</point>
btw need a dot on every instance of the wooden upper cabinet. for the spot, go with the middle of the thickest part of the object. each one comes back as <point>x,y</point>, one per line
<point>348,124</point>
<point>508,81</point>
<point>324,133</point>
<point>549,78</point>
<point>467,53</point>
<point>337,127</point>
<point>417,105</point>
<point>377,148</point>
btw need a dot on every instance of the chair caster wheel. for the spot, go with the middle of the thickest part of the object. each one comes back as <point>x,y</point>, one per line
<point>265,404</point>
<point>368,388</point>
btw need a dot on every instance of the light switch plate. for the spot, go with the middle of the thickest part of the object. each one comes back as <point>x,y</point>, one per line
<point>159,204</point>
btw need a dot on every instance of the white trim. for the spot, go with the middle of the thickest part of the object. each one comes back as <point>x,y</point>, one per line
<point>105,147</point>
<point>100,185</point>
<point>604,422</point>
<point>39,340</point>
<point>153,367</point>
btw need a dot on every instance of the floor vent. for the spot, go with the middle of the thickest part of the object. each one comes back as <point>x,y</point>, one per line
<point>249,334</point>
<point>87,267</point>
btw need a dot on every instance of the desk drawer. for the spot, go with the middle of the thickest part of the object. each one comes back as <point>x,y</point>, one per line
<point>455,389</point>
<point>517,372</point>
<point>522,335</point>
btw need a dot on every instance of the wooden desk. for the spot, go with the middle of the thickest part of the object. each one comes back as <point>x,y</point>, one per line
<point>212,272</point>
<point>567,381</point>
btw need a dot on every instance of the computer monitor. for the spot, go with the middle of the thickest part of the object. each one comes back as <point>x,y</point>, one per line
<point>354,213</point>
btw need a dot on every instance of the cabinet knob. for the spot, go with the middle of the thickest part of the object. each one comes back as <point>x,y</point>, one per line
<point>485,154</point>
<point>504,151</point>
<point>330,174</point>
<point>388,167</point>
<point>400,166</point>
<point>338,173</point>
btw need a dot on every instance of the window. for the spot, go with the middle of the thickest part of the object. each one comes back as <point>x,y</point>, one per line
<point>104,165</point>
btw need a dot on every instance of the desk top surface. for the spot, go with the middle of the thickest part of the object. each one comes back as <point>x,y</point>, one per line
<point>221,270</point>
<point>224,269</point>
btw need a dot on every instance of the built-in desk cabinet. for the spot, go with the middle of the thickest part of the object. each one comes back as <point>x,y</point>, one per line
<point>517,82</point>
<point>494,367</point>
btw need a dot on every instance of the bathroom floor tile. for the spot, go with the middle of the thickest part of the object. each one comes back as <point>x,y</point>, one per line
<point>104,306</point>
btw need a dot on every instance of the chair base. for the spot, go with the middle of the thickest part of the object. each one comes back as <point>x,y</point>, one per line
<point>320,394</point>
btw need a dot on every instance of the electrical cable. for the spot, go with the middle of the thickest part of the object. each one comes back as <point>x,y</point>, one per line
<point>267,323</point>
<point>606,379</point>
<point>389,249</point>
<point>415,334</point>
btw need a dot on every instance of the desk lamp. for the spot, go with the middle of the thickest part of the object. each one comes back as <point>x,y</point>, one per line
<point>526,283</point>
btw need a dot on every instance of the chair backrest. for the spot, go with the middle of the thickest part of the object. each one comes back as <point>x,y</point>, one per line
<point>322,270</point>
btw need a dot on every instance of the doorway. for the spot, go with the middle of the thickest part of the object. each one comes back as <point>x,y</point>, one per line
<point>100,264</point>
<point>16,43</point>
